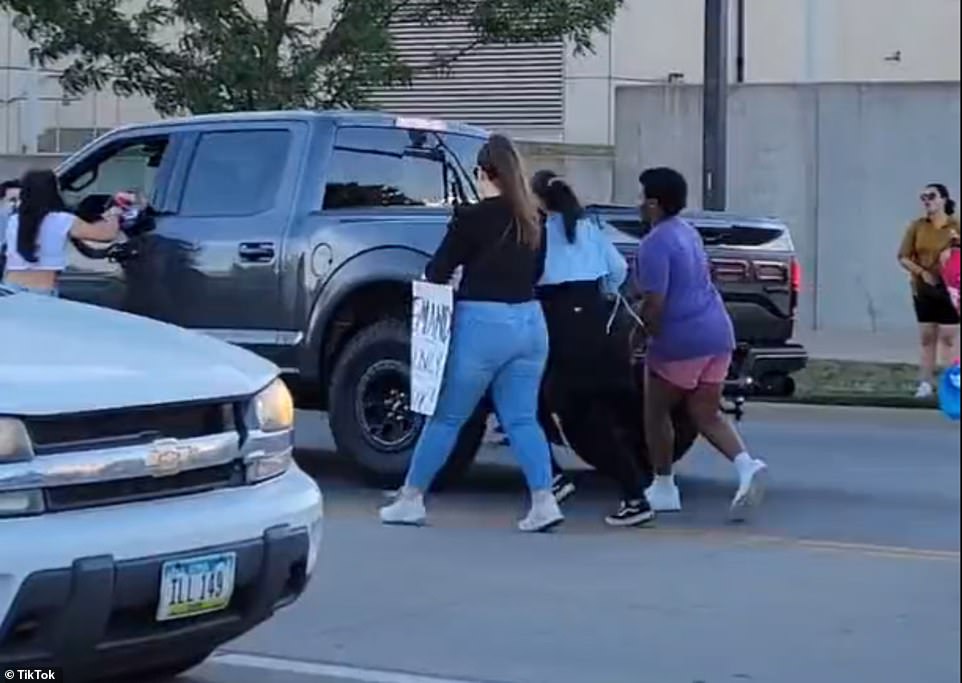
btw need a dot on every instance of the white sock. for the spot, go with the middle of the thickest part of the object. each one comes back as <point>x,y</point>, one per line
<point>744,463</point>
<point>663,480</point>
<point>541,496</point>
<point>410,493</point>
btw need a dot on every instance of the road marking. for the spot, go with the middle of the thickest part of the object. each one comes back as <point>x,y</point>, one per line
<point>307,668</point>
<point>891,551</point>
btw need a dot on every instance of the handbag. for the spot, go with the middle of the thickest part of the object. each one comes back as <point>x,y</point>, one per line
<point>949,392</point>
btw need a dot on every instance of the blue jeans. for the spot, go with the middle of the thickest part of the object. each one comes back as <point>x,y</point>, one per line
<point>504,346</point>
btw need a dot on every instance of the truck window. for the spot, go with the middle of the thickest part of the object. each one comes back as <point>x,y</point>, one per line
<point>129,167</point>
<point>235,173</point>
<point>386,167</point>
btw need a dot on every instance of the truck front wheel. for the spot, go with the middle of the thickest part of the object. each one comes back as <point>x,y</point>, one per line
<point>369,409</point>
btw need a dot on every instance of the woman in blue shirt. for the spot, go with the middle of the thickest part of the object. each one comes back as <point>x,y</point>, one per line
<point>582,269</point>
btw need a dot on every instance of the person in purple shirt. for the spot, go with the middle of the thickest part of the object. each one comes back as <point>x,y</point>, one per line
<point>691,340</point>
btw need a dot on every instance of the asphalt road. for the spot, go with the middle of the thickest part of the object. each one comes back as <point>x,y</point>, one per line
<point>851,573</point>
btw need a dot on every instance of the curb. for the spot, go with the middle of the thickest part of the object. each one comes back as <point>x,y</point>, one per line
<point>856,401</point>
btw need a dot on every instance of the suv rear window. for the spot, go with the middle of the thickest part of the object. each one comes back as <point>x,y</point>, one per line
<point>379,167</point>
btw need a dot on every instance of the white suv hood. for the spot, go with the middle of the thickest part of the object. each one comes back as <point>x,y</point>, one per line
<point>63,357</point>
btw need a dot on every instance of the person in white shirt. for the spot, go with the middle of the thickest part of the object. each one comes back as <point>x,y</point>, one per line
<point>37,234</point>
<point>9,198</point>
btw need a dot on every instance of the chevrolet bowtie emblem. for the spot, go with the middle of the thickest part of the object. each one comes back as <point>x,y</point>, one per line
<point>168,457</point>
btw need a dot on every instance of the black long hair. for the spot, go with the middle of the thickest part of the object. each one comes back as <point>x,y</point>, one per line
<point>944,194</point>
<point>558,197</point>
<point>39,195</point>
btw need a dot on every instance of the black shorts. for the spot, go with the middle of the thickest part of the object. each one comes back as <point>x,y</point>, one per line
<point>933,306</point>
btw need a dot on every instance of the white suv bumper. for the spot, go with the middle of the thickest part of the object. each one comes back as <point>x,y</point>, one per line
<point>82,587</point>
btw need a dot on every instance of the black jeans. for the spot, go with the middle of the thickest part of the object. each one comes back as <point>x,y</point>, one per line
<point>587,370</point>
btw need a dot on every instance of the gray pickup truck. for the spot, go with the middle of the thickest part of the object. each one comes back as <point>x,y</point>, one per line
<point>297,234</point>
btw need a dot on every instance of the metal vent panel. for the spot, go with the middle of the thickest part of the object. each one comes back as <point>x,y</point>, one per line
<point>497,86</point>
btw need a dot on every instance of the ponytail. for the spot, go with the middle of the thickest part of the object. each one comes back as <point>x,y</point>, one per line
<point>558,197</point>
<point>501,162</point>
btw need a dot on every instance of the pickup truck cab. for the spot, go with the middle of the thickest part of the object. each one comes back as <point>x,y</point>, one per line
<point>150,509</point>
<point>295,235</point>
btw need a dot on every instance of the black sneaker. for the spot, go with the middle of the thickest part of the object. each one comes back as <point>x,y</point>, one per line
<point>562,488</point>
<point>631,513</point>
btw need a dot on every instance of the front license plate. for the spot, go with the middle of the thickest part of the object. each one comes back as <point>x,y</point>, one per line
<point>196,585</point>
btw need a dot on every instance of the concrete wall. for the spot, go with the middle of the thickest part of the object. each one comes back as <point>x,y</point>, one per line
<point>842,163</point>
<point>786,41</point>
<point>590,168</point>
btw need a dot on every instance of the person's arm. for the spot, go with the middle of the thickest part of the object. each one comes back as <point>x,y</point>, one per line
<point>651,280</point>
<point>907,257</point>
<point>105,230</point>
<point>454,250</point>
<point>617,267</point>
<point>541,256</point>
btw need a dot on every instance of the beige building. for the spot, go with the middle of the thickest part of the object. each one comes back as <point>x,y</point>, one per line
<point>543,92</point>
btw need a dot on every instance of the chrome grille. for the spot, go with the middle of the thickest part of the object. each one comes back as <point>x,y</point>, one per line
<point>112,428</point>
<point>98,494</point>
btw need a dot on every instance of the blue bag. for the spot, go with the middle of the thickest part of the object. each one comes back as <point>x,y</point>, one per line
<point>949,392</point>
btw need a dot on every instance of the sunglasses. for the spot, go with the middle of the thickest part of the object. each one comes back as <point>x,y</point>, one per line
<point>929,196</point>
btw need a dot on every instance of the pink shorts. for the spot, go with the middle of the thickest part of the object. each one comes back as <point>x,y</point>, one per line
<point>689,374</point>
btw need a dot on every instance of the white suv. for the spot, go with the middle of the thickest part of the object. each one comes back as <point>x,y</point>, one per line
<point>150,509</point>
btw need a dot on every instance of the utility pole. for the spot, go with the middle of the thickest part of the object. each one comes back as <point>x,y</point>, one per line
<point>715,107</point>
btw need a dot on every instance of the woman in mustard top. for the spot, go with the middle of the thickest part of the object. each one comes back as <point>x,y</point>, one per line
<point>926,239</point>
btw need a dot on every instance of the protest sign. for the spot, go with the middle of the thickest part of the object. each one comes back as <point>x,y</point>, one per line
<point>431,317</point>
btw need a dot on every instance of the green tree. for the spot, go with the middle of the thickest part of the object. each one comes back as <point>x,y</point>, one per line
<point>222,55</point>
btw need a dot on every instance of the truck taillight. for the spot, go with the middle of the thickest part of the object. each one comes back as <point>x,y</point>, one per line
<point>796,275</point>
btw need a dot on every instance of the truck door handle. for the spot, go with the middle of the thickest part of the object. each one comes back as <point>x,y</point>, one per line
<point>256,252</point>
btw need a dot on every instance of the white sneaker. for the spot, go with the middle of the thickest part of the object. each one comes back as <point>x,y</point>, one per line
<point>544,514</point>
<point>407,508</point>
<point>663,495</point>
<point>751,491</point>
<point>925,390</point>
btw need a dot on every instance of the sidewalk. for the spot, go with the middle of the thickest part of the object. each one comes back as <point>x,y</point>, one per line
<point>899,346</point>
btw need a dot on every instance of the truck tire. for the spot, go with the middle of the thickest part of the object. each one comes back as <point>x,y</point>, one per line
<point>368,407</point>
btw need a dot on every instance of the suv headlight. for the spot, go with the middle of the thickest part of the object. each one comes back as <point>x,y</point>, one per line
<point>15,444</point>
<point>274,408</point>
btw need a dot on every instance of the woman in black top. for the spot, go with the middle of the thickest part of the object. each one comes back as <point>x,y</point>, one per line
<point>499,339</point>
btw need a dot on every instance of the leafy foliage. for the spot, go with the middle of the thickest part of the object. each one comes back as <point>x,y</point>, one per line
<point>226,55</point>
